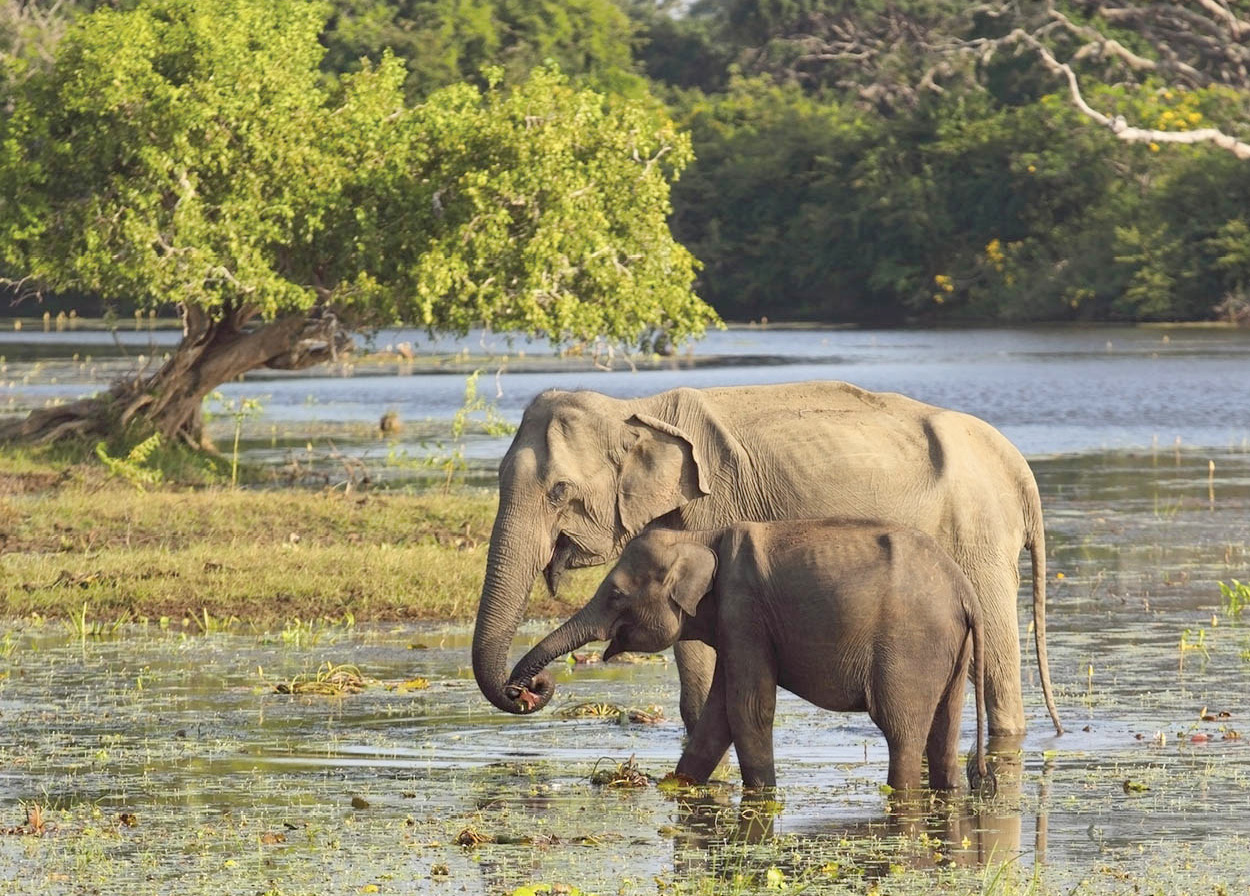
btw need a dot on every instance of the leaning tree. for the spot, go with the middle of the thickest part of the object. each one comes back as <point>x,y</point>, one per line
<point>191,153</point>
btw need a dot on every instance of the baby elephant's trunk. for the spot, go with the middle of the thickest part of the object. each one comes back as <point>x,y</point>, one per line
<point>981,778</point>
<point>532,687</point>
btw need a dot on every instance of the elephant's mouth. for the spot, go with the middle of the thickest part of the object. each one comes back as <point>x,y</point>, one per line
<point>568,554</point>
<point>531,695</point>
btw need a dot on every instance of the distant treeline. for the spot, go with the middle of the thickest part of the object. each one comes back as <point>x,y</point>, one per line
<point>888,162</point>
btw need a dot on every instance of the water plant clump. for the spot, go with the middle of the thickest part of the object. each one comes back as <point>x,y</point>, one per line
<point>330,680</point>
<point>648,715</point>
<point>1235,597</point>
<point>622,775</point>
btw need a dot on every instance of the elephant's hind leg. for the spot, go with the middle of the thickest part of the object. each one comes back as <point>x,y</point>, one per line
<point>943,747</point>
<point>905,753</point>
<point>905,736</point>
<point>996,585</point>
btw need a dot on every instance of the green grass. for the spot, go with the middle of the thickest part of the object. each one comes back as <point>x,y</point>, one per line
<point>73,538</point>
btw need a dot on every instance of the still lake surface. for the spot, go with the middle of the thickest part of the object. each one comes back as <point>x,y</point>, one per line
<point>1140,440</point>
<point>1050,390</point>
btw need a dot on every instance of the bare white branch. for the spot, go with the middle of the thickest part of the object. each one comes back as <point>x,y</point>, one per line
<point>1118,125</point>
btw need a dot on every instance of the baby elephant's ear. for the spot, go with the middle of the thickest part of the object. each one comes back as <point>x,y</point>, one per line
<point>691,575</point>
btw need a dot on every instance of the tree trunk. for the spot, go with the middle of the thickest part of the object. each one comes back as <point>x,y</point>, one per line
<point>170,401</point>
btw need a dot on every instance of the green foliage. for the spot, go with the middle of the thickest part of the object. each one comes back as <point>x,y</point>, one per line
<point>542,209</point>
<point>189,152</point>
<point>433,165</point>
<point>444,43</point>
<point>770,206</point>
<point>807,207</point>
<point>134,467</point>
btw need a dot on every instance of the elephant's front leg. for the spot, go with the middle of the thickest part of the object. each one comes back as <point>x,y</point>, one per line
<point>710,738</point>
<point>696,665</point>
<point>751,703</point>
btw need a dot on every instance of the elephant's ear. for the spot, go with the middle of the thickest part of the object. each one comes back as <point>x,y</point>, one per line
<point>659,473</point>
<point>691,576</point>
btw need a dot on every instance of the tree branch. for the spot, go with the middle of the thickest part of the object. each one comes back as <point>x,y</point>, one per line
<point>1236,26</point>
<point>1117,125</point>
<point>320,339</point>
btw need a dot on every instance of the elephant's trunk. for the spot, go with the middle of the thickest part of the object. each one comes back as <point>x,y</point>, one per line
<point>515,559</point>
<point>529,685</point>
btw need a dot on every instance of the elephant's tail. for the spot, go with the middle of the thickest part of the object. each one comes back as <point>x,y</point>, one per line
<point>1035,541</point>
<point>980,777</point>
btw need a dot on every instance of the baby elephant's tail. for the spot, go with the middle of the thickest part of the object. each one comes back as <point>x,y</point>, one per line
<point>981,778</point>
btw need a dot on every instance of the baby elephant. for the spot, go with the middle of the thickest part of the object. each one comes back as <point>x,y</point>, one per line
<point>852,616</point>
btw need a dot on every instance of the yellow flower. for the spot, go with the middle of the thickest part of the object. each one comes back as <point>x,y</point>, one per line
<point>1032,168</point>
<point>1154,147</point>
<point>1195,117</point>
<point>1166,116</point>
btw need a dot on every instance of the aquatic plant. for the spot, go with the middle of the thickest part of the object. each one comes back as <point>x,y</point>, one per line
<point>329,681</point>
<point>299,633</point>
<point>1190,643</point>
<point>626,774</point>
<point>239,410</point>
<point>1234,597</point>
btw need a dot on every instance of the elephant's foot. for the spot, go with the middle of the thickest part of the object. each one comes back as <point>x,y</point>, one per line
<point>1004,716</point>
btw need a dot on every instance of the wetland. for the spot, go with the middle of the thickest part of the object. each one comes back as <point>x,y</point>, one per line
<point>194,701</point>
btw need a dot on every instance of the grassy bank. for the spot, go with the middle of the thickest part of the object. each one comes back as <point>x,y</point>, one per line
<point>72,536</point>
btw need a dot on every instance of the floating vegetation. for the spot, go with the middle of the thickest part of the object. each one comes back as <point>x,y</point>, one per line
<point>471,836</point>
<point>625,775</point>
<point>648,715</point>
<point>411,684</point>
<point>590,710</point>
<point>35,826</point>
<point>329,681</point>
<point>630,658</point>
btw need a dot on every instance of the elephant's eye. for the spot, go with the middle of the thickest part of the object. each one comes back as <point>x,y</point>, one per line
<point>560,492</point>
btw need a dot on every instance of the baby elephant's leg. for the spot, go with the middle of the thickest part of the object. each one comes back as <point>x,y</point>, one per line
<point>943,747</point>
<point>895,712</point>
<point>905,751</point>
<point>751,699</point>
<point>711,736</point>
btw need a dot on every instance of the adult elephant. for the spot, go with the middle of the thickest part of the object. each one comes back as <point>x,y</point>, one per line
<point>586,472</point>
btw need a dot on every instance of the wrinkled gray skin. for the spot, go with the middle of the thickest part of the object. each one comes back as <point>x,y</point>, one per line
<point>586,473</point>
<point>854,617</point>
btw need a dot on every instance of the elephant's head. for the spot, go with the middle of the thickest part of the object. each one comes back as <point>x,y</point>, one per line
<point>583,475</point>
<point>641,605</point>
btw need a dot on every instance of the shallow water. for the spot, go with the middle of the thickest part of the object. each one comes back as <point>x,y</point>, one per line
<point>235,788</point>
